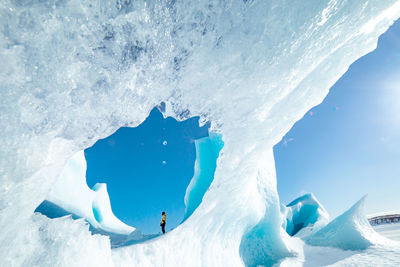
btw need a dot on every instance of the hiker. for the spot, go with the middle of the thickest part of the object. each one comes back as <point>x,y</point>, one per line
<point>163,221</point>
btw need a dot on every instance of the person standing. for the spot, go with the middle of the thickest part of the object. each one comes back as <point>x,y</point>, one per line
<point>163,221</point>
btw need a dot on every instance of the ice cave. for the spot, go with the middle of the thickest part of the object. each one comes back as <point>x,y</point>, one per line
<point>73,72</point>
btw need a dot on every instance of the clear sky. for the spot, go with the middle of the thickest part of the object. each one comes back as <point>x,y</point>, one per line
<point>341,150</point>
<point>147,169</point>
<point>349,145</point>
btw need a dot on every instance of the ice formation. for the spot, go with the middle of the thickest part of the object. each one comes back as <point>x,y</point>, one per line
<point>304,215</point>
<point>207,153</point>
<point>74,71</point>
<point>71,193</point>
<point>351,230</point>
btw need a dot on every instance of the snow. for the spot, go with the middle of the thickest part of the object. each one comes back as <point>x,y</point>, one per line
<point>390,230</point>
<point>71,193</point>
<point>73,72</point>
<point>327,256</point>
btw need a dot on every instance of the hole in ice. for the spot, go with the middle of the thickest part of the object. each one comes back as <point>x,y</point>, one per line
<point>135,174</point>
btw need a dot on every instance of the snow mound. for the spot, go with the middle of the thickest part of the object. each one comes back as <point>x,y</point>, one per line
<point>71,193</point>
<point>349,231</point>
<point>304,215</point>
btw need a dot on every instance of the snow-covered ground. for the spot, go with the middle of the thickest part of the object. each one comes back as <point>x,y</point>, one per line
<point>390,230</point>
<point>376,255</point>
<point>322,256</point>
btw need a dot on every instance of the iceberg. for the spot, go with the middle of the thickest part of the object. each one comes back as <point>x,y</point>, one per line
<point>73,72</point>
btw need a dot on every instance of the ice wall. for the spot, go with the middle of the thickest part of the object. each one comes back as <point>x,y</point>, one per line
<point>74,71</point>
<point>207,153</point>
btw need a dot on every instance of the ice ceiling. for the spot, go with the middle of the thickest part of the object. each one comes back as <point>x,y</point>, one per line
<point>74,71</point>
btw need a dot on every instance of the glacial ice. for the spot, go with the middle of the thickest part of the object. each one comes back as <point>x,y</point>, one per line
<point>71,193</point>
<point>304,215</point>
<point>207,153</point>
<point>74,71</point>
<point>351,231</point>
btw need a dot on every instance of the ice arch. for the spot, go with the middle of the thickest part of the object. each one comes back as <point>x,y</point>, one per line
<point>76,71</point>
<point>70,194</point>
<point>147,169</point>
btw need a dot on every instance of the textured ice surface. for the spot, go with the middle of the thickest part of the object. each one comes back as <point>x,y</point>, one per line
<point>62,242</point>
<point>351,230</point>
<point>304,214</point>
<point>71,193</point>
<point>207,152</point>
<point>74,71</point>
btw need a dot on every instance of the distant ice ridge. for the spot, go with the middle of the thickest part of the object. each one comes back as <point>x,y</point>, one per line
<point>71,193</point>
<point>74,71</point>
<point>383,213</point>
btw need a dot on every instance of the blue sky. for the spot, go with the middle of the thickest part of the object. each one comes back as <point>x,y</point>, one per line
<point>341,150</point>
<point>147,169</point>
<point>349,145</point>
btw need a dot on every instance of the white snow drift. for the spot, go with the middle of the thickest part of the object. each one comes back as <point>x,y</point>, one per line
<point>74,71</point>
